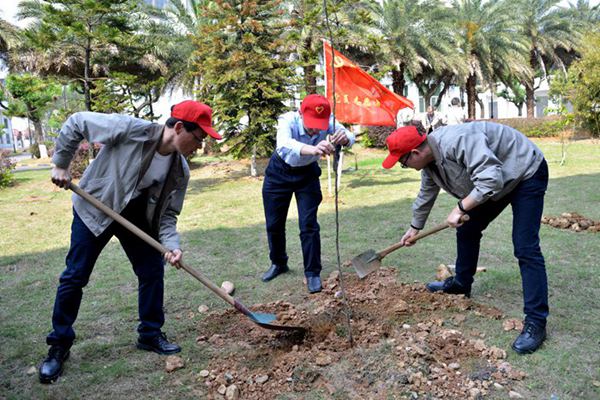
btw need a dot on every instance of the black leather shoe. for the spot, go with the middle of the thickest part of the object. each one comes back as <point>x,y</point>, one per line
<point>450,286</point>
<point>52,366</point>
<point>530,339</point>
<point>158,344</point>
<point>274,271</point>
<point>314,284</point>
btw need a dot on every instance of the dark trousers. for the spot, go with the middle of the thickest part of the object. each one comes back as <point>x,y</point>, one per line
<point>281,181</point>
<point>85,248</point>
<point>527,201</point>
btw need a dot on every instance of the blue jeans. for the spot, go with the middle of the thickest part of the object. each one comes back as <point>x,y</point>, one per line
<point>85,248</point>
<point>527,202</point>
<point>281,182</point>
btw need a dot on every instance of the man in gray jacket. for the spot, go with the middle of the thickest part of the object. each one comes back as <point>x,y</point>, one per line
<point>486,166</point>
<point>142,174</point>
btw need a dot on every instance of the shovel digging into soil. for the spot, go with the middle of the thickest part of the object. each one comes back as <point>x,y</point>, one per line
<point>262,319</point>
<point>370,260</point>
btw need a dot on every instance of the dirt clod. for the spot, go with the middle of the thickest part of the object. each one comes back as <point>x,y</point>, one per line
<point>572,221</point>
<point>173,363</point>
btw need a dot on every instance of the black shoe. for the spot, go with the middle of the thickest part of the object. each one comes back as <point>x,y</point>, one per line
<point>274,271</point>
<point>314,284</point>
<point>450,286</point>
<point>52,366</point>
<point>530,339</point>
<point>158,344</point>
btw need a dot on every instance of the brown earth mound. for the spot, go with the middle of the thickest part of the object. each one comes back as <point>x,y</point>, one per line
<point>404,346</point>
<point>572,221</point>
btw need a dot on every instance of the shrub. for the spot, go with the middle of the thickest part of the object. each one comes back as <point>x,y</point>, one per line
<point>81,160</point>
<point>34,149</point>
<point>535,127</point>
<point>375,136</point>
<point>6,168</point>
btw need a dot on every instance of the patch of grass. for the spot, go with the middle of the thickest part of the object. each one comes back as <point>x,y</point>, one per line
<point>223,236</point>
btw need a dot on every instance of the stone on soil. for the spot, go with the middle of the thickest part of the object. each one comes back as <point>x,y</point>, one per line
<point>232,393</point>
<point>173,363</point>
<point>228,287</point>
<point>202,308</point>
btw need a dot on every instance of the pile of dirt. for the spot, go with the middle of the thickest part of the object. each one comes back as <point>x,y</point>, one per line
<point>405,343</point>
<point>572,221</point>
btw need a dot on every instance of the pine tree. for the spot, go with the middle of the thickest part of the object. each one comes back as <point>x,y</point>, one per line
<point>244,72</point>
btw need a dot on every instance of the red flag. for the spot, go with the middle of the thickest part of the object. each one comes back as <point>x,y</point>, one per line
<point>360,98</point>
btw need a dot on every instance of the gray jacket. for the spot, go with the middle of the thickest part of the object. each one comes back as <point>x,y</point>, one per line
<point>482,159</point>
<point>129,145</point>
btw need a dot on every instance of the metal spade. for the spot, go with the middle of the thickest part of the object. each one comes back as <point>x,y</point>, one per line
<point>370,260</point>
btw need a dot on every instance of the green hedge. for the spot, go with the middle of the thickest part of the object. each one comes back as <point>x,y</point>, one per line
<point>374,136</point>
<point>535,127</point>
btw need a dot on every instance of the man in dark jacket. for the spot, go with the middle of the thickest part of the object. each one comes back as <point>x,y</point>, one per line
<point>486,166</point>
<point>142,174</point>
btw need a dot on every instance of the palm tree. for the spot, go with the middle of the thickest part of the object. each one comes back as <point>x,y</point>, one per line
<point>9,39</point>
<point>416,37</point>
<point>582,11</point>
<point>172,31</point>
<point>490,41</point>
<point>548,31</point>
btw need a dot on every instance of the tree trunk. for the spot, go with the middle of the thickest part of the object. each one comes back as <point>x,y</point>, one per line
<point>471,96</point>
<point>530,96</point>
<point>310,80</point>
<point>398,81</point>
<point>39,133</point>
<point>253,171</point>
<point>86,77</point>
<point>443,92</point>
<point>529,87</point>
<point>481,107</point>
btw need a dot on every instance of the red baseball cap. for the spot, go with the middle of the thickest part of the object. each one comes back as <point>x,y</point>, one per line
<point>315,111</point>
<point>400,142</point>
<point>197,113</point>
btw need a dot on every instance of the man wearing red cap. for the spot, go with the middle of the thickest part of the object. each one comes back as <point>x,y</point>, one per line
<point>294,170</point>
<point>486,166</point>
<point>142,174</point>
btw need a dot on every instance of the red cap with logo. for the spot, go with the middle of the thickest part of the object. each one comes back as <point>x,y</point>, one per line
<point>400,142</point>
<point>315,111</point>
<point>197,113</point>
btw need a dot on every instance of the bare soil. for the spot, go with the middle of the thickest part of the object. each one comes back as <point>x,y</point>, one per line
<point>406,343</point>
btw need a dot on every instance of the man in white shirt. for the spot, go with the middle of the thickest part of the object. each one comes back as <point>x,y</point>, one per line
<point>302,138</point>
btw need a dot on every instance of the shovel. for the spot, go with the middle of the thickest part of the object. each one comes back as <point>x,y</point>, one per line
<point>369,261</point>
<point>261,319</point>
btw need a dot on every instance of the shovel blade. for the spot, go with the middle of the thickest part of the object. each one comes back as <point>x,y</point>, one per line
<point>366,263</point>
<point>265,320</point>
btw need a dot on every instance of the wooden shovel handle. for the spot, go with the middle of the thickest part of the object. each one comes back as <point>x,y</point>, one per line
<point>152,242</point>
<point>418,236</point>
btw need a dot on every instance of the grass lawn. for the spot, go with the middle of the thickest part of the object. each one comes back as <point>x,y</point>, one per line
<point>222,227</point>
